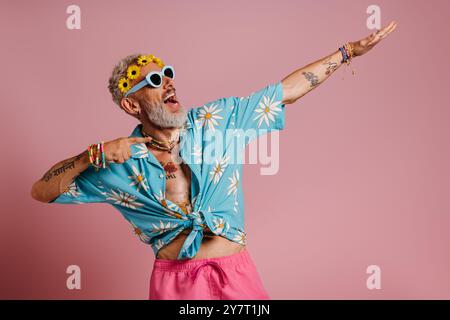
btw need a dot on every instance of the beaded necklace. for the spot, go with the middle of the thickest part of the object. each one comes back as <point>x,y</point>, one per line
<point>161,145</point>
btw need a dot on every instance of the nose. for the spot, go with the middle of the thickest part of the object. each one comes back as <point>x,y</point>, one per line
<point>167,82</point>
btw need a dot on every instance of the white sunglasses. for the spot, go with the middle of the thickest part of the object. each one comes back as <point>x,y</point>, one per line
<point>154,79</point>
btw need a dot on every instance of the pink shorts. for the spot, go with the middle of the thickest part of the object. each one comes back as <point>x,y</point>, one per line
<point>232,277</point>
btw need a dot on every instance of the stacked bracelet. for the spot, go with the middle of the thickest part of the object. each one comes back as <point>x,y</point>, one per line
<point>344,55</point>
<point>347,53</point>
<point>96,153</point>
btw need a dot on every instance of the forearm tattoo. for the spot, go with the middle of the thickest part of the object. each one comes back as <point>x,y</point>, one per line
<point>331,66</point>
<point>312,78</point>
<point>65,167</point>
<point>56,172</point>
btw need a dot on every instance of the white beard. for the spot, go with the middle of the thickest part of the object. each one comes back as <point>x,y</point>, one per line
<point>163,118</point>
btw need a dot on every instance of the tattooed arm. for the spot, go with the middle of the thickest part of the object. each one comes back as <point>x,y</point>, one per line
<point>59,177</point>
<point>303,80</point>
<point>56,180</point>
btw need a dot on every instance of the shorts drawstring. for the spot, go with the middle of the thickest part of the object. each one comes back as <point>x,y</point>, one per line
<point>223,277</point>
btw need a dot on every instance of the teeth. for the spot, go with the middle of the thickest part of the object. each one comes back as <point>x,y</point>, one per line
<point>168,96</point>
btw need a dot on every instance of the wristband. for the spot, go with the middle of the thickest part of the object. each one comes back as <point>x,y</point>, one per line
<point>97,155</point>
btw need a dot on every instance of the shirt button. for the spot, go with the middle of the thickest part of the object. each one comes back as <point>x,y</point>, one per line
<point>161,176</point>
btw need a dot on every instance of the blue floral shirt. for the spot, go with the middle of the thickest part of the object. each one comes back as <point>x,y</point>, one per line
<point>211,141</point>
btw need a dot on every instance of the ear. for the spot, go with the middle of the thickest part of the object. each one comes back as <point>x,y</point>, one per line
<point>130,106</point>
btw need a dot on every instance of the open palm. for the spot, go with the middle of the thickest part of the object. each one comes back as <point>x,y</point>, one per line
<point>364,45</point>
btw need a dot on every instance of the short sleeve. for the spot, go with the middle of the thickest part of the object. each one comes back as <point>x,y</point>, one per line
<point>87,187</point>
<point>258,113</point>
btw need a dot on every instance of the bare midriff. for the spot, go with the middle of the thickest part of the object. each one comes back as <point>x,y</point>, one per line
<point>212,246</point>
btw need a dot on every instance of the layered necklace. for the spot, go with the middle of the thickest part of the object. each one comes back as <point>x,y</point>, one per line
<point>161,145</point>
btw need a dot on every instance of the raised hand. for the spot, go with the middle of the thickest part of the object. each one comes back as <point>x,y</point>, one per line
<point>364,45</point>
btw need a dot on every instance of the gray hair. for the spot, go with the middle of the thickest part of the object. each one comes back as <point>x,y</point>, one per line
<point>120,71</point>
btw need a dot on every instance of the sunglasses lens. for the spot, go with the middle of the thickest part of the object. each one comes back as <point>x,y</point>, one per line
<point>156,79</point>
<point>168,72</point>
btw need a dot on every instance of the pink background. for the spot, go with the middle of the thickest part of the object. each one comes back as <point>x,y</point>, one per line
<point>364,162</point>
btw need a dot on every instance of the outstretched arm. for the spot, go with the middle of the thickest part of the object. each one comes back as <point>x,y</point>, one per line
<point>303,80</point>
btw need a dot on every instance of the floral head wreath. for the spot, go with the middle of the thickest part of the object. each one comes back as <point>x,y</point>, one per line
<point>133,71</point>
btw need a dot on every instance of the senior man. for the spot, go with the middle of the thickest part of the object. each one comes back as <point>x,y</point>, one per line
<point>186,204</point>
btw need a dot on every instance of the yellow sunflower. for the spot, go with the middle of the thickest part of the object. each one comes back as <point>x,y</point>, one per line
<point>143,60</point>
<point>151,57</point>
<point>159,62</point>
<point>124,85</point>
<point>133,72</point>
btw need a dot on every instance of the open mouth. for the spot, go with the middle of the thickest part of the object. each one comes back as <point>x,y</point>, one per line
<point>171,100</point>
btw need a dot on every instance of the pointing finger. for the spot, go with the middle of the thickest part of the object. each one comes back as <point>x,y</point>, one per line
<point>134,140</point>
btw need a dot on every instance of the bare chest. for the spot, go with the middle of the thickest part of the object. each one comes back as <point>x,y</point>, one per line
<point>178,178</point>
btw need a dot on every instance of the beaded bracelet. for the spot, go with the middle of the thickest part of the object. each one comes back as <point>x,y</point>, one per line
<point>349,48</point>
<point>347,53</point>
<point>97,155</point>
<point>344,55</point>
